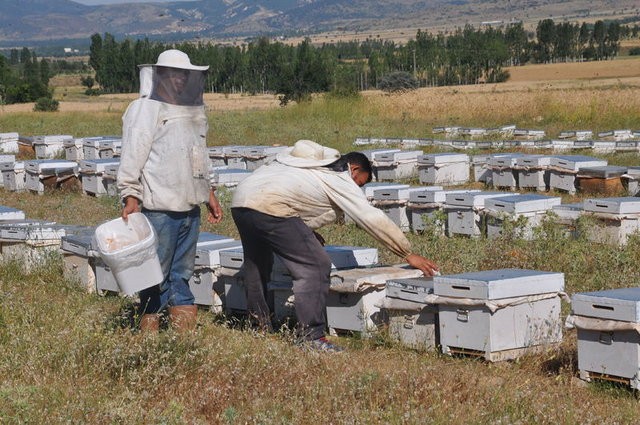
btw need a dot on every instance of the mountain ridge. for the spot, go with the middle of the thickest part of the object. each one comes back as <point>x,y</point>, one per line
<point>37,20</point>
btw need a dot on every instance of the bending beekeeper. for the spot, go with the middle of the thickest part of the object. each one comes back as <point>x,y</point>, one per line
<point>164,173</point>
<point>278,207</point>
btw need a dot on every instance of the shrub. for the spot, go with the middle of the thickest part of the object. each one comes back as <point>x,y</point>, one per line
<point>46,104</point>
<point>398,81</point>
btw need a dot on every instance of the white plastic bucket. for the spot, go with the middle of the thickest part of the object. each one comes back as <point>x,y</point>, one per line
<point>129,250</point>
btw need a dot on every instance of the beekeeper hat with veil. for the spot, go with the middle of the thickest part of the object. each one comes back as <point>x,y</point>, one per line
<point>175,80</point>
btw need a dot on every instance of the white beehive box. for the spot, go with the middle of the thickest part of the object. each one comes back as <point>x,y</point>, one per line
<point>73,150</point>
<point>92,172</point>
<point>355,311</point>
<point>533,171</point>
<point>110,178</point>
<point>208,253</point>
<point>513,329</point>
<point>255,156</point>
<point>532,208</point>
<point>624,205</point>
<point>8,213</point>
<point>216,155</point>
<point>91,147</point>
<point>47,147</point>
<point>53,170</point>
<point>4,159</point>
<point>417,327</point>
<point>9,142</point>
<point>228,177</point>
<point>616,135</point>
<point>235,297</point>
<point>234,157</point>
<point>444,168</point>
<point>371,188</point>
<point>342,257</point>
<point>503,172</point>
<point>105,280</point>
<point>617,219</point>
<point>396,165</point>
<point>394,204</point>
<point>30,242</point>
<point>109,147</point>
<point>464,212</point>
<point>232,258</point>
<point>609,348</point>
<point>371,153</point>
<point>424,205</point>
<point>206,289</point>
<point>631,178</point>
<point>13,176</point>
<point>78,252</point>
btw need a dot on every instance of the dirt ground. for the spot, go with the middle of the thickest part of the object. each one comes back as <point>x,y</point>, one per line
<point>625,71</point>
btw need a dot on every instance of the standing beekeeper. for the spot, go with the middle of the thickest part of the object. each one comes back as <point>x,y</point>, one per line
<point>278,207</point>
<point>164,173</point>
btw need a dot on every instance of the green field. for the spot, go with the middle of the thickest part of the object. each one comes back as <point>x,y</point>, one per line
<point>73,357</point>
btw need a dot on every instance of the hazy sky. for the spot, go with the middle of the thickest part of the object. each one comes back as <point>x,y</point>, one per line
<point>96,2</point>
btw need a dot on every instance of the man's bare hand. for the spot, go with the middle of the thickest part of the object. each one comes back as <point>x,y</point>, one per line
<point>428,267</point>
<point>215,210</point>
<point>131,205</point>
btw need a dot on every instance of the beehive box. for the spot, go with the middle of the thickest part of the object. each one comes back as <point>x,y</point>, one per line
<point>617,219</point>
<point>8,213</point>
<point>503,172</point>
<point>47,147</point>
<point>424,206</point>
<point>92,175</point>
<point>216,155</point>
<point>228,177</point>
<point>608,347</point>
<point>13,176</point>
<point>524,316</point>
<point>532,208</point>
<point>9,142</point>
<point>566,216</point>
<point>109,147</point>
<point>208,253</point>
<point>206,288</point>
<point>564,168</point>
<point>533,172</point>
<point>91,147</point>
<point>235,297</point>
<point>78,254</point>
<point>234,157</point>
<point>73,150</point>
<point>110,179</point>
<point>412,321</point>
<point>464,212</point>
<point>631,180</point>
<point>256,156</point>
<point>30,242</point>
<point>606,179</point>
<point>394,204</point>
<point>49,173</point>
<point>396,165</point>
<point>444,168</point>
<point>371,188</point>
<point>105,280</point>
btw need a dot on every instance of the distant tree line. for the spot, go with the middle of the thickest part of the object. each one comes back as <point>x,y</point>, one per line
<point>466,56</point>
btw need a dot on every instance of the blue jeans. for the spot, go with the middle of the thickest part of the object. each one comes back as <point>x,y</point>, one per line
<point>177,234</point>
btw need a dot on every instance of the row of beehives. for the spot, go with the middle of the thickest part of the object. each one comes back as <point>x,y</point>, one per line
<point>58,145</point>
<point>475,213</point>
<point>567,173</point>
<point>494,314</point>
<point>96,177</point>
<point>511,136</point>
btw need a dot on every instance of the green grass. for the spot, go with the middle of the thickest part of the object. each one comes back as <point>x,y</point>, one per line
<point>70,356</point>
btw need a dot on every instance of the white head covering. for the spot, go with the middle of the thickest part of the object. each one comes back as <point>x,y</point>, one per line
<point>308,154</point>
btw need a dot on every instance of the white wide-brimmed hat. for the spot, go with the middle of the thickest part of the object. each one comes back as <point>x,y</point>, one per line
<point>308,154</point>
<point>174,58</point>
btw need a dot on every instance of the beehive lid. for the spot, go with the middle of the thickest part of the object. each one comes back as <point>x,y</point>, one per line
<point>81,242</point>
<point>497,284</point>
<point>473,199</point>
<point>442,158</point>
<point>399,156</point>
<point>208,237</point>
<point>371,153</point>
<point>570,211</point>
<point>8,213</point>
<point>614,304</point>
<point>603,171</point>
<point>397,194</point>
<point>370,189</point>
<point>12,166</point>
<point>623,205</point>
<point>435,196</point>
<point>97,165</point>
<point>232,258</point>
<point>410,286</point>
<point>522,203</point>
<point>574,162</point>
<point>210,254</point>
<point>49,165</point>
<point>533,161</point>
<point>343,257</point>
<point>508,160</point>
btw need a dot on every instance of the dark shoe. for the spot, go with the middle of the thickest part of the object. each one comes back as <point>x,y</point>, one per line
<point>323,345</point>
